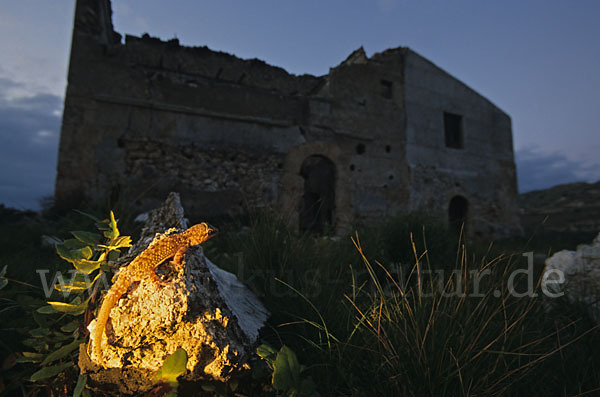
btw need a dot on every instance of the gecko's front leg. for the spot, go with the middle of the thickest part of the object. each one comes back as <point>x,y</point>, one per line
<point>176,262</point>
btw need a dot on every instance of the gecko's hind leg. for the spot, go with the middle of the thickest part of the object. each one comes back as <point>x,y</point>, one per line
<point>157,280</point>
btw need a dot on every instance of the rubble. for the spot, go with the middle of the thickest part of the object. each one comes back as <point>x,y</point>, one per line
<point>576,274</point>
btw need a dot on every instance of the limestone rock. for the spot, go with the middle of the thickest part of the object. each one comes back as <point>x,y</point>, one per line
<point>198,307</point>
<point>581,270</point>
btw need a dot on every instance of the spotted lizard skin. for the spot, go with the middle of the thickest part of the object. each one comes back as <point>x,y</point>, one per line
<point>142,267</point>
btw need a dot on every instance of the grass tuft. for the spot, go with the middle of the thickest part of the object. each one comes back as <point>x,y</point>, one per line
<point>405,307</point>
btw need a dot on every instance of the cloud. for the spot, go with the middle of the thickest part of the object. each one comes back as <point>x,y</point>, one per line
<point>537,170</point>
<point>29,133</point>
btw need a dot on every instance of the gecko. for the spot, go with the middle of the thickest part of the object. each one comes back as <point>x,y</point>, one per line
<point>142,267</point>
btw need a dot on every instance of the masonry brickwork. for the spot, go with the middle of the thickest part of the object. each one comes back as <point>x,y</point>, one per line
<point>374,137</point>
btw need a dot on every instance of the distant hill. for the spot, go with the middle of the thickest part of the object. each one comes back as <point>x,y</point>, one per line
<point>570,208</point>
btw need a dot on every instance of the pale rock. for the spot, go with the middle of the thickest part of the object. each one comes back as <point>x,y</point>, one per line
<point>580,270</point>
<point>199,307</point>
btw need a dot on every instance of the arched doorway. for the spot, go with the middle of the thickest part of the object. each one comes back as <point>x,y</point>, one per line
<point>318,200</point>
<point>457,213</point>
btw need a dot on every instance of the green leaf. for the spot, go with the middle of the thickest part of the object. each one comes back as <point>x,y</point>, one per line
<point>72,244</point>
<point>74,308</point>
<point>173,366</point>
<point>30,357</point>
<point>117,242</point>
<point>78,283</point>
<point>62,352</point>
<point>84,253</point>
<point>113,232</point>
<point>39,332</point>
<point>81,381</point>
<point>3,271</point>
<point>48,372</point>
<point>75,287</point>
<point>122,242</point>
<point>286,370</point>
<point>114,255</point>
<point>46,310</point>
<point>86,266</point>
<point>36,343</point>
<point>33,355</point>
<point>64,307</point>
<point>3,283</point>
<point>24,360</point>
<point>103,225</point>
<point>60,337</point>
<point>72,326</point>
<point>87,238</point>
<point>266,352</point>
<point>113,223</point>
<point>73,250</point>
<point>64,252</point>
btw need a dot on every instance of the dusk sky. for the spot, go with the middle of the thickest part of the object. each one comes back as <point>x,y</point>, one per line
<point>539,61</point>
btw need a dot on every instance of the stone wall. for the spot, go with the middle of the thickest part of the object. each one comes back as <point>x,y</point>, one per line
<point>144,116</point>
<point>482,171</point>
<point>368,121</point>
<point>148,116</point>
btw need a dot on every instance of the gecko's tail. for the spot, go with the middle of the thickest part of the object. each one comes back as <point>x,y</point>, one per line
<point>110,300</point>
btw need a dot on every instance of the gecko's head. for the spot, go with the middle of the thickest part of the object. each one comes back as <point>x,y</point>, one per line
<point>201,232</point>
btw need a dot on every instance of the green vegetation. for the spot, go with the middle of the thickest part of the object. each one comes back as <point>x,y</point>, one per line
<point>57,329</point>
<point>287,372</point>
<point>173,366</point>
<point>379,313</point>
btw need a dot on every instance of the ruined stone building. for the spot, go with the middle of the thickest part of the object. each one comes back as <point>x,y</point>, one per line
<point>374,137</point>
